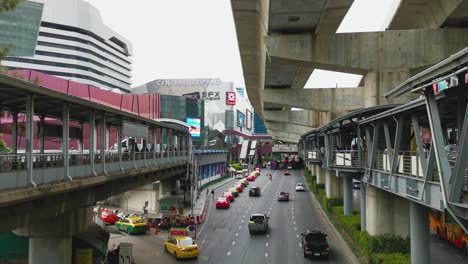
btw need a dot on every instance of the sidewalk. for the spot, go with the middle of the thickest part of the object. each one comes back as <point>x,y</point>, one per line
<point>201,205</point>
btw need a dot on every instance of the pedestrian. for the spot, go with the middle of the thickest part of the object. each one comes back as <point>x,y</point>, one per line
<point>207,190</point>
<point>212,193</point>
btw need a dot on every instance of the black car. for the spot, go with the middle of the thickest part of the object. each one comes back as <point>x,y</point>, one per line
<point>315,244</point>
<point>254,191</point>
<point>283,196</point>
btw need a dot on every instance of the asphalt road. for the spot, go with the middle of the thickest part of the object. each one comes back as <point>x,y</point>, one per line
<point>224,238</point>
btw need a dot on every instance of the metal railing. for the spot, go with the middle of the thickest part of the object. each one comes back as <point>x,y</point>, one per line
<point>315,155</point>
<point>408,164</point>
<point>349,158</point>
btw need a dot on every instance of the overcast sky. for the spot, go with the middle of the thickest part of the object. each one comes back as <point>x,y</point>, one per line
<point>197,39</point>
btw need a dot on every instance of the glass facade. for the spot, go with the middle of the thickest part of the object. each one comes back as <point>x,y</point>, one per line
<point>259,126</point>
<point>179,108</point>
<point>210,170</point>
<point>229,115</point>
<point>19,28</point>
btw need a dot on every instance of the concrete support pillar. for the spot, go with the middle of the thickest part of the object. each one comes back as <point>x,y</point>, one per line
<point>320,174</point>
<point>333,185</point>
<point>50,242</point>
<point>420,240</point>
<point>379,82</point>
<point>386,213</point>
<point>363,206</point>
<point>348,195</point>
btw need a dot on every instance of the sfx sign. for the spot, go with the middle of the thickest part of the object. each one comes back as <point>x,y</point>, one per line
<point>230,98</point>
<point>210,96</point>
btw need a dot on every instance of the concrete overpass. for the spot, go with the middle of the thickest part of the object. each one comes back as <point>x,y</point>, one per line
<point>282,41</point>
<point>47,194</point>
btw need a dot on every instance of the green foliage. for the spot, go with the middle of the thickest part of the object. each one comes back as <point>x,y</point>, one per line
<point>4,149</point>
<point>321,186</point>
<point>391,258</point>
<point>8,5</point>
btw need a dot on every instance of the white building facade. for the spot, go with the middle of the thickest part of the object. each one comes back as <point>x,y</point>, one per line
<point>74,43</point>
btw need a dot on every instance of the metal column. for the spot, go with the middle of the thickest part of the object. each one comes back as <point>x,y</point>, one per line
<point>103,143</point>
<point>92,141</point>
<point>66,140</point>
<point>348,195</point>
<point>14,134</point>
<point>42,134</point>
<point>119,146</point>
<point>363,206</point>
<point>155,141</point>
<point>420,240</point>
<point>30,138</point>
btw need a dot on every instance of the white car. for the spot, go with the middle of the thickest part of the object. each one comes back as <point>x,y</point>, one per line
<point>300,187</point>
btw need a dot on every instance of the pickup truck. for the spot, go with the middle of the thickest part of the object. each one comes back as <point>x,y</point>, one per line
<point>315,244</point>
<point>258,223</point>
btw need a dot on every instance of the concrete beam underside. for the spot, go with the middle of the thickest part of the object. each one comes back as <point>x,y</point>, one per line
<point>22,207</point>
<point>423,14</point>
<point>369,51</point>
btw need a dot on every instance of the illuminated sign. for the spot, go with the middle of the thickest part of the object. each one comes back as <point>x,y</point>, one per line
<point>194,124</point>
<point>231,98</point>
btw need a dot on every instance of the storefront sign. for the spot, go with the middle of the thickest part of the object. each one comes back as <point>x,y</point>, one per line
<point>230,98</point>
<point>211,96</point>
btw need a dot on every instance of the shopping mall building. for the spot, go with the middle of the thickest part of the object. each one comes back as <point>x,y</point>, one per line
<point>67,39</point>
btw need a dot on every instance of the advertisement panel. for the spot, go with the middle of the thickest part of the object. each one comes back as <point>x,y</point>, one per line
<point>230,98</point>
<point>240,119</point>
<point>249,119</point>
<point>194,123</point>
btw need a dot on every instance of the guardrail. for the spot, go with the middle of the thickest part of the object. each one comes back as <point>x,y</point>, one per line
<point>50,167</point>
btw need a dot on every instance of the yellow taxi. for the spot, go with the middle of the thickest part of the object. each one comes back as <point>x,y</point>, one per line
<point>181,247</point>
<point>132,225</point>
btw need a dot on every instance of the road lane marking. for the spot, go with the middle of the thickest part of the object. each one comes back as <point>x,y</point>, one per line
<point>266,244</point>
<point>269,212</point>
<point>297,235</point>
<point>266,255</point>
<point>300,244</point>
<point>293,216</point>
<point>233,243</point>
<point>268,235</point>
<point>295,229</point>
<point>229,253</point>
<point>240,227</point>
<point>294,222</point>
<point>237,234</point>
<point>242,221</point>
<point>203,241</point>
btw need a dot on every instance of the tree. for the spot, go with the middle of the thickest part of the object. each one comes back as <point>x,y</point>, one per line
<point>8,5</point>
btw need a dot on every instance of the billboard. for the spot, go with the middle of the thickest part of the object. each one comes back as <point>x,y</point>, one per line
<point>249,119</point>
<point>194,124</point>
<point>240,119</point>
<point>230,98</point>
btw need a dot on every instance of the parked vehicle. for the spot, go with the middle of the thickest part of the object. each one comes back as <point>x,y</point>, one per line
<point>108,217</point>
<point>222,202</point>
<point>132,225</point>
<point>274,165</point>
<point>286,173</point>
<point>258,223</point>
<point>229,196</point>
